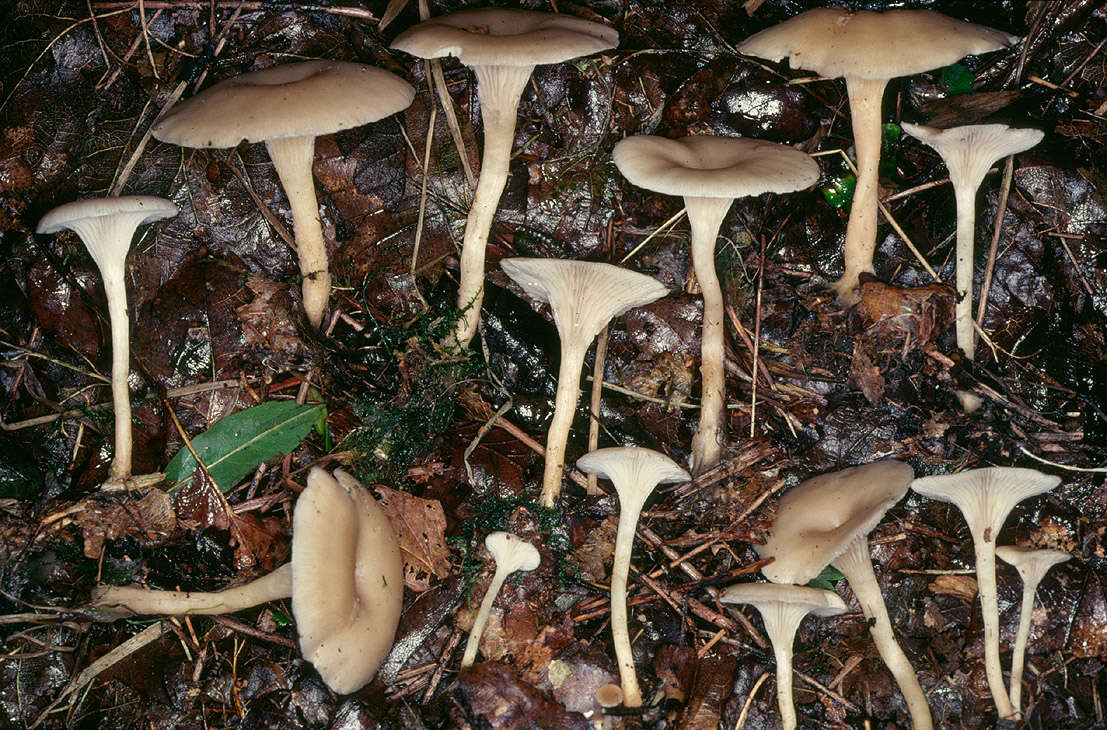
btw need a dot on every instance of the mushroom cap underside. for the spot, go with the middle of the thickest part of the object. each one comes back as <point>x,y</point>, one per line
<point>815,600</point>
<point>632,466</point>
<point>151,207</point>
<point>512,551</point>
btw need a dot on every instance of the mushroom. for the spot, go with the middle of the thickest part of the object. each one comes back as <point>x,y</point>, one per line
<point>969,152</point>
<point>502,46</point>
<point>287,107</point>
<point>583,297</point>
<point>511,553</point>
<point>869,48</point>
<point>345,579</point>
<point>782,609</point>
<point>1032,565</point>
<point>634,471</point>
<point>985,498</point>
<point>710,172</point>
<point>827,520</point>
<point>106,226</point>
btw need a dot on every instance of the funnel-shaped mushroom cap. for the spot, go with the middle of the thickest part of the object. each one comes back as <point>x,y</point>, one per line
<point>292,100</point>
<point>969,151</point>
<point>512,553</point>
<point>986,496</point>
<point>820,518</point>
<point>506,37</point>
<point>713,167</point>
<point>1032,563</point>
<point>106,225</point>
<point>347,580</point>
<point>870,45</point>
<point>583,295</point>
<point>813,600</point>
<point>632,469</point>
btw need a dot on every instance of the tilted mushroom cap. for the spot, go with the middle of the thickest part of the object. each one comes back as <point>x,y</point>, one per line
<point>713,167</point>
<point>986,496</point>
<point>814,600</point>
<point>292,100</point>
<point>512,553</point>
<point>347,580</point>
<point>970,150</point>
<point>85,216</point>
<point>871,45</point>
<point>817,520</point>
<point>631,466</point>
<point>506,37</point>
<point>584,295</point>
<point>1032,563</point>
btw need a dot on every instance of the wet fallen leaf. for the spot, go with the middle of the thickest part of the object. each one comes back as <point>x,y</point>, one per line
<point>959,586</point>
<point>866,376</point>
<point>146,519</point>
<point>420,525</point>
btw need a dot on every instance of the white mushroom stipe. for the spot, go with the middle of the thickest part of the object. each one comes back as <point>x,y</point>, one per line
<point>634,472</point>
<point>502,46</point>
<point>1032,566</point>
<point>783,608</point>
<point>113,602</point>
<point>583,297</point>
<point>106,226</point>
<point>985,498</point>
<point>511,553</point>
<point>969,152</point>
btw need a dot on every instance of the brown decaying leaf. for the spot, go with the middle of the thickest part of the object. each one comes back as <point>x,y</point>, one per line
<point>866,376</point>
<point>259,541</point>
<point>145,519</point>
<point>595,554</point>
<point>917,312</point>
<point>960,586</point>
<point>1089,624</point>
<point>420,525</point>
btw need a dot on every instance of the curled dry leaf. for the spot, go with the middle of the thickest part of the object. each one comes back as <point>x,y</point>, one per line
<point>147,519</point>
<point>866,376</point>
<point>420,525</point>
<point>959,586</point>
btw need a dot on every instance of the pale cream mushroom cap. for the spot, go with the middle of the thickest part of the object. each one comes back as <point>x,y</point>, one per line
<point>632,469</point>
<point>813,600</point>
<point>506,37</point>
<point>817,520</point>
<point>347,580</point>
<point>1032,563</point>
<point>87,217</point>
<point>873,45</point>
<point>986,496</point>
<point>970,150</point>
<point>512,553</point>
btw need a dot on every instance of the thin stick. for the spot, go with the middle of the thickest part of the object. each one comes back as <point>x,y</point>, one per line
<point>146,38</point>
<point>672,221</point>
<point>749,701</point>
<point>593,487</point>
<point>757,338</point>
<point>993,248</point>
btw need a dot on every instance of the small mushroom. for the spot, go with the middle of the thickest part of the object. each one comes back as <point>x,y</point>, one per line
<point>634,472</point>
<point>985,498</point>
<point>1032,565</point>
<point>869,49</point>
<point>709,173</point>
<point>511,554</point>
<point>287,107</point>
<point>826,520</point>
<point>106,226</point>
<point>969,152</point>
<point>783,608</point>
<point>345,579</point>
<point>502,46</point>
<point>583,297</point>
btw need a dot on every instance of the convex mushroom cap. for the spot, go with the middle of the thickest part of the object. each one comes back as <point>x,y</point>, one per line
<point>583,297</point>
<point>287,107</point>
<point>511,553</point>
<point>869,48</point>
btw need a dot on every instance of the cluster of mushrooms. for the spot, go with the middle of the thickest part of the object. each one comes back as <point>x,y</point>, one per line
<point>345,577</point>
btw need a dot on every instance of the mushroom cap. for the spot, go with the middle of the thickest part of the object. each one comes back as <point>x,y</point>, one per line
<point>970,150</point>
<point>506,37</point>
<point>713,167</point>
<point>583,295</point>
<point>632,469</point>
<point>291,100</point>
<point>609,695</point>
<point>347,580</point>
<point>1032,563</point>
<point>817,520</point>
<point>986,496</point>
<point>872,45</point>
<point>511,552</point>
<point>815,600</point>
<point>145,208</point>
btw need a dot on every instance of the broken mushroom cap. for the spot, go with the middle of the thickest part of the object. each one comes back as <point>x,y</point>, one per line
<point>710,172</point>
<point>502,46</point>
<point>287,107</point>
<point>827,520</point>
<point>106,226</point>
<point>583,297</point>
<point>985,498</point>
<point>969,152</point>
<point>1032,564</point>
<point>511,553</point>
<point>635,472</point>
<point>783,608</point>
<point>869,48</point>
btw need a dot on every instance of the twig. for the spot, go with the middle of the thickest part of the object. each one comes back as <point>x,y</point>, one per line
<point>993,247</point>
<point>537,448</point>
<point>252,631</point>
<point>749,701</point>
<point>1035,457</point>
<point>757,339</point>
<point>672,221</point>
<point>594,408</point>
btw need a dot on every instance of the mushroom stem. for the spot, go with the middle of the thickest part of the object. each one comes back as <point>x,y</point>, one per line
<point>119,601</point>
<point>705,216</point>
<point>966,235</point>
<point>1018,654</point>
<point>782,620</point>
<point>985,549</point>
<point>473,642</point>
<point>856,565</point>
<point>565,408</point>
<point>499,89</point>
<point>629,512</point>
<point>116,291</point>
<point>293,157</point>
<point>865,101</point>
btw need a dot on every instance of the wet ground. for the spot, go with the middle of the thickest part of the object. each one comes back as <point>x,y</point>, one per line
<point>217,328</point>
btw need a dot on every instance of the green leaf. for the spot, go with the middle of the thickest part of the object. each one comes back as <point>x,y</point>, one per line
<point>235,445</point>
<point>826,579</point>
<point>957,79</point>
<point>838,193</point>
